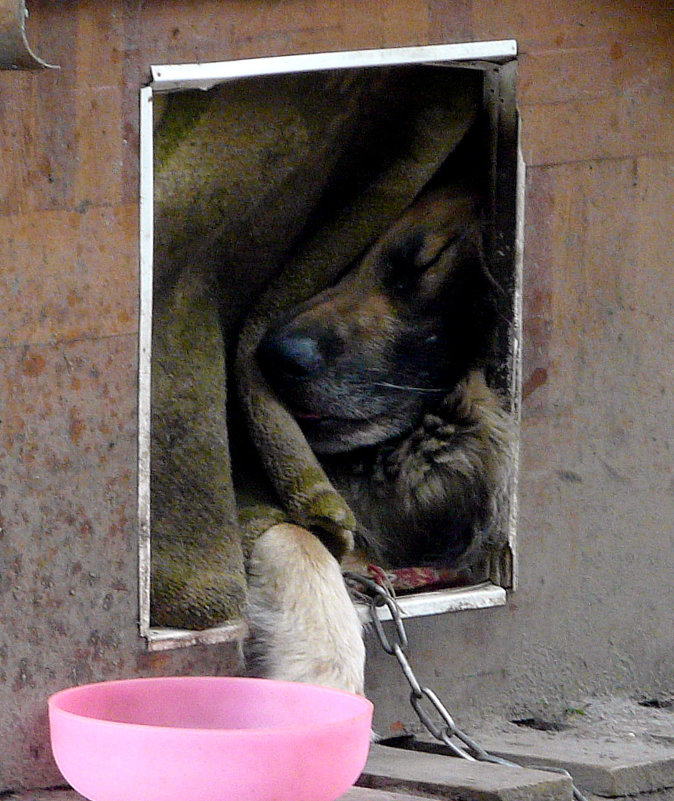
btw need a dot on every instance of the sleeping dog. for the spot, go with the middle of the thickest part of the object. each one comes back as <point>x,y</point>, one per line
<point>384,372</point>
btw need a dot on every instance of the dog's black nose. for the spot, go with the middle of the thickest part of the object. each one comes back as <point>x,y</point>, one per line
<point>291,352</point>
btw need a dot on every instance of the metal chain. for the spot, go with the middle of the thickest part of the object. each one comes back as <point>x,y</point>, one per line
<point>442,726</point>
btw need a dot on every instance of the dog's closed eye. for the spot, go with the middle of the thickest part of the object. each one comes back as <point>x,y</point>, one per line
<point>408,261</point>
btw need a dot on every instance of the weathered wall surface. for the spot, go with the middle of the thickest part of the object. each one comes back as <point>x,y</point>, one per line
<point>593,610</point>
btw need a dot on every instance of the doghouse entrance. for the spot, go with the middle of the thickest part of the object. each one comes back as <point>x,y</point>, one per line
<point>240,163</point>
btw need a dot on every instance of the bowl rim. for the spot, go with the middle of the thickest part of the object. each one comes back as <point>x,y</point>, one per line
<point>55,708</point>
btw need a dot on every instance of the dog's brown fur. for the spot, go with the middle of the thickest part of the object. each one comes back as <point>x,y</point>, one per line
<point>384,373</point>
<point>302,624</point>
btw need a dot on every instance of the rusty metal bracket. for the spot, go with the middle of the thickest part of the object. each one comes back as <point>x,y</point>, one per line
<point>15,52</point>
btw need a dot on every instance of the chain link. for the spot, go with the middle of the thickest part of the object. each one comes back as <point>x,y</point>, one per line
<point>442,727</point>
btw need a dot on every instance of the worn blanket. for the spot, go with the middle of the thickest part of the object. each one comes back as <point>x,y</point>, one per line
<point>266,190</point>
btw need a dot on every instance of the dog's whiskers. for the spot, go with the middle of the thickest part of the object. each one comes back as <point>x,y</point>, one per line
<point>407,388</point>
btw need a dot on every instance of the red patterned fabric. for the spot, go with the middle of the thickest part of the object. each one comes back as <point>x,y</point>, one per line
<point>409,579</point>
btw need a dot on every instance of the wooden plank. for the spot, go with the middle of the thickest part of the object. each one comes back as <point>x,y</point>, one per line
<point>449,777</point>
<point>567,24</point>
<point>597,128</point>
<point>76,280</point>
<point>367,794</point>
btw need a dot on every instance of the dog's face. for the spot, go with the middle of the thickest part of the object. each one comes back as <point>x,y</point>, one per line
<point>362,361</point>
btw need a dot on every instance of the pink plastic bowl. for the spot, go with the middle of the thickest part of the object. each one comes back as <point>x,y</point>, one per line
<point>209,739</point>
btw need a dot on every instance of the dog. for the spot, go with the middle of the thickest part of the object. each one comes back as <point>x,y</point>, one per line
<point>385,374</point>
<point>302,623</point>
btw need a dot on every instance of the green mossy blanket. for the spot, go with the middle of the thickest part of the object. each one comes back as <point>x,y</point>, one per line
<point>265,190</point>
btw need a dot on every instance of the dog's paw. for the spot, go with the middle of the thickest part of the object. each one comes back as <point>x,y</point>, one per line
<point>302,623</point>
<point>327,516</point>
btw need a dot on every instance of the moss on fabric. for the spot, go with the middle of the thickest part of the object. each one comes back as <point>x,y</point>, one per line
<point>265,191</point>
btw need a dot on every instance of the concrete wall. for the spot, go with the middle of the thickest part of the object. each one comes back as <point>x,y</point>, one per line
<point>593,610</point>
